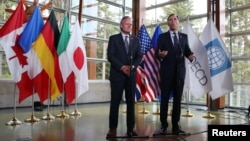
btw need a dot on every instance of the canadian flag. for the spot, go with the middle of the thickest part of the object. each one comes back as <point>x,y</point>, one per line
<point>15,56</point>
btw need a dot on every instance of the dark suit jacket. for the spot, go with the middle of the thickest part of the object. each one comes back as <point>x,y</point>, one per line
<point>174,59</point>
<point>118,56</point>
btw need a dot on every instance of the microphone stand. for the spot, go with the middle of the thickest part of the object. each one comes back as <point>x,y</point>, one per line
<point>180,60</point>
<point>132,68</point>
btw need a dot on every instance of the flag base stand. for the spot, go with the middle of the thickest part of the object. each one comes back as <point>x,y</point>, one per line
<point>209,116</point>
<point>32,119</point>
<point>144,111</point>
<point>76,113</point>
<point>157,112</point>
<point>187,114</point>
<point>62,115</point>
<point>48,117</point>
<point>14,121</point>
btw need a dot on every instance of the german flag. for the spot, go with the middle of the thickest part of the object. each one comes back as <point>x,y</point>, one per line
<point>45,48</point>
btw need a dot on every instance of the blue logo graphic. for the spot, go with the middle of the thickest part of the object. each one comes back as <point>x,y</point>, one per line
<point>217,57</point>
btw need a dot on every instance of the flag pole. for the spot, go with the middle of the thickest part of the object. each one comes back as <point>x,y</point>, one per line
<point>143,111</point>
<point>48,116</point>
<point>158,101</point>
<point>32,118</point>
<point>76,112</point>
<point>208,115</point>
<point>62,114</point>
<point>188,114</point>
<point>157,107</point>
<point>14,120</point>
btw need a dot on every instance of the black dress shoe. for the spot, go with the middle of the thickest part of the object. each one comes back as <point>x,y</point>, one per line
<point>131,133</point>
<point>178,131</point>
<point>111,133</point>
<point>163,130</point>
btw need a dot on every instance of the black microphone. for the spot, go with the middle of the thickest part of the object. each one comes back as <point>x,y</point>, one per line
<point>179,52</point>
<point>130,53</point>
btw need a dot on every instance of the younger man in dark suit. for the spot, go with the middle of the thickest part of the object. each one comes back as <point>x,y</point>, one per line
<point>172,47</point>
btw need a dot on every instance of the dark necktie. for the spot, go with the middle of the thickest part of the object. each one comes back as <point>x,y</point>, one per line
<point>126,43</point>
<point>175,41</point>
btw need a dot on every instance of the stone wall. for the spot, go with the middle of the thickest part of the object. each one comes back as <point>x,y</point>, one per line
<point>99,91</point>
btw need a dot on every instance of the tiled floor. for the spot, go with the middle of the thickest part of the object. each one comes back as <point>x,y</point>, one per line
<point>92,125</point>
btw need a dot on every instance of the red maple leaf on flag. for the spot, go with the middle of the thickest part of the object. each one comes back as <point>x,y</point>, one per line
<point>19,53</point>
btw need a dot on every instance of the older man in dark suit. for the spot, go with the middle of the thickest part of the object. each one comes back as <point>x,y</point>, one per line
<point>124,55</point>
<point>172,47</point>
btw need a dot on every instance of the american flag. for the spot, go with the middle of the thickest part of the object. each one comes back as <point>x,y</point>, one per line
<point>156,34</point>
<point>150,65</point>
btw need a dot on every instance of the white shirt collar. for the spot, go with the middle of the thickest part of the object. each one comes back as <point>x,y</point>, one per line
<point>172,32</point>
<point>124,35</point>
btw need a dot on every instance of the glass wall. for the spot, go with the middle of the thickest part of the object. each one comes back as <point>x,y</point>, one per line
<point>234,30</point>
<point>193,11</point>
<point>100,19</point>
<point>237,39</point>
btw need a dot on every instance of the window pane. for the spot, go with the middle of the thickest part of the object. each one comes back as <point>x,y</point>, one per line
<point>240,97</point>
<point>240,45</point>
<point>240,20</point>
<point>236,3</point>
<point>241,71</point>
